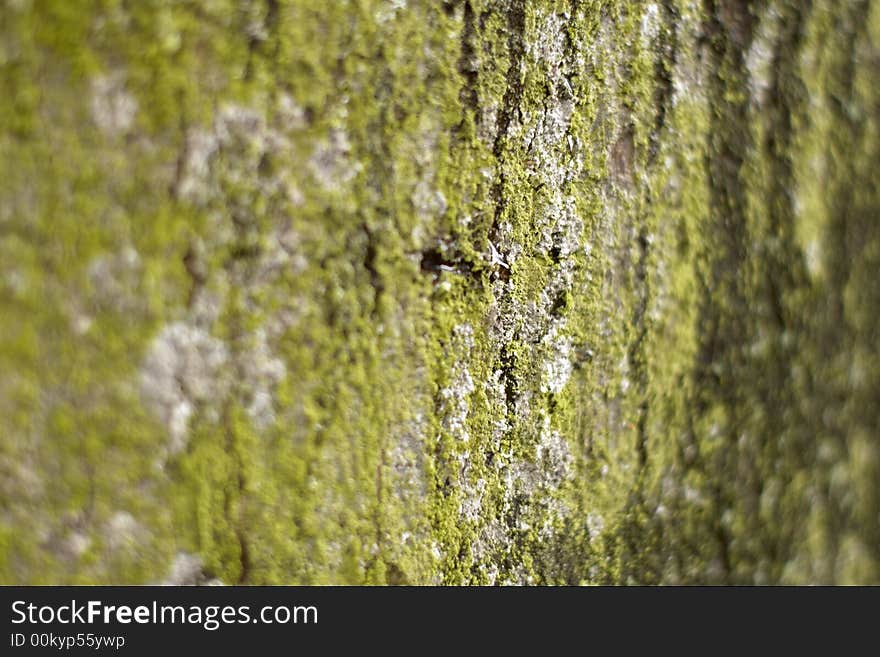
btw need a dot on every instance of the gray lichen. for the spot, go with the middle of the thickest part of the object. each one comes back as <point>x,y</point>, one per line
<point>454,292</point>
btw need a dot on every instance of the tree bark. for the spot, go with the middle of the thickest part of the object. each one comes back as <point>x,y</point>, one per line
<point>474,291</point>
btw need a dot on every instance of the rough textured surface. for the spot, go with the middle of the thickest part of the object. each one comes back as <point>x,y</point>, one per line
<point>399,291</point>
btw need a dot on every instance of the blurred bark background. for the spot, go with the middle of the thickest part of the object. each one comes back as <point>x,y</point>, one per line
<point>411,291</point>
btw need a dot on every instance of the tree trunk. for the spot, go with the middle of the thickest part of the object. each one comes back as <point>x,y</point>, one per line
<point>411,291</point>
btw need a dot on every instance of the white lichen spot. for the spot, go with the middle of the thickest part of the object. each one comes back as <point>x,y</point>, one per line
<point>407,458</point>
<point>470,507</point>
<point>195,181</point>
<point>263,371</point>
<point>456,395</point>
<point>650,23</point>
<point>113,108</point>
<point>623,367</point>
<point>183,367</point>
<point>487,129</point>
<point>122,531</point>
<point>114,280</point>
<point>75,544</point>
<point>389,10</point>
<point>554,456</point>
<point>558,364</point>
<point>759,59</point>
<point>595,524</point>
<point>428,203</point>
<point>185,569</point>
<point>290,112</point>
<point>244,137</point>
<point>538,480</point>
<point>814,258</point>
<point>330,163</point>
<point>81,324</point>
<point>239,124</point>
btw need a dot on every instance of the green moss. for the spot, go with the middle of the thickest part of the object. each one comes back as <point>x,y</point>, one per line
<point>671,380</point>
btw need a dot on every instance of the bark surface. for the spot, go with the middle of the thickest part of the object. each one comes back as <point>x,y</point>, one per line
<point>475,291</point>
